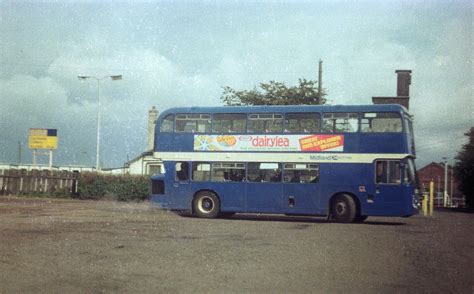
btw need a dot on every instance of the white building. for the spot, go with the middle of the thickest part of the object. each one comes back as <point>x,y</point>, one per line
<point>145,163</point>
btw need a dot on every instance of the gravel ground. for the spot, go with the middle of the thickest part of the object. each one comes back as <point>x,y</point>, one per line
<point>68,246</point>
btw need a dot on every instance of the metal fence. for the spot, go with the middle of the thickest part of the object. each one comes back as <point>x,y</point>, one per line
<point>16,182</point>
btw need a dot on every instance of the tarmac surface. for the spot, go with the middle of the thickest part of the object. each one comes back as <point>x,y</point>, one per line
<point>70,246</point>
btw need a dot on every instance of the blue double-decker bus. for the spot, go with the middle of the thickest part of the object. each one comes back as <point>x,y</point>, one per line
<point>343,162</point>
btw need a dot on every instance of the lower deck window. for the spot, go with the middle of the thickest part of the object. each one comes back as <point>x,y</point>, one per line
<point>228,172</point>
<point>201,171</point>
<point>264,172</point>
<point>257,172</point>
<point>301,173</point>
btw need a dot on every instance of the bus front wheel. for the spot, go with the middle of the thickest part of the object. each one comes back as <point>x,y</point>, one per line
<point>206,205</point>
<point>343,208</point>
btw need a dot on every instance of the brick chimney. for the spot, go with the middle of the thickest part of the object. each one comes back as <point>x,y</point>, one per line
<point>403,90</point>
<point>403,82</point>
<point>152,117</point>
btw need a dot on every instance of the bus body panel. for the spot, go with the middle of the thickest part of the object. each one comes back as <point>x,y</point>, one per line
<point>263,197</point>
<point>300,198</point>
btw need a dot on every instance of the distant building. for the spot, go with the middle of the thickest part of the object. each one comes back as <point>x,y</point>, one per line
<point>435,171</point>
<point>29,167</point>
<point>403,90</point>
<point>145,163</point>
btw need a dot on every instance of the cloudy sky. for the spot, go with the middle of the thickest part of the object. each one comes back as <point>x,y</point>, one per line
<point>182,53</point>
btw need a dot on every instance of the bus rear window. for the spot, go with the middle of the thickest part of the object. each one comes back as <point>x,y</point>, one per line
<point>381,122</point>
<point>193,123</point>
<point>167,124</point>
<point>302,122</point>
<point>340,122</point>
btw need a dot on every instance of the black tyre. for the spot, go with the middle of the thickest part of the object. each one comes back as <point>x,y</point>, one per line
<point>360,218</point>
<point>206,205</point>
<point>343,208</point>
<point>226,214</point>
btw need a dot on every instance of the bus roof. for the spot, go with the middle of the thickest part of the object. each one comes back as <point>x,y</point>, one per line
<point>288,108</point>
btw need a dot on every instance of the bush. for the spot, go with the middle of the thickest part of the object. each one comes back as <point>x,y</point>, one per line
<point>115,187</point>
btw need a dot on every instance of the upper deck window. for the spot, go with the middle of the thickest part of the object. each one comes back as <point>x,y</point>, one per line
<point>302,122</point>
<point>381,122</point>
<point>340,122</point>
<point>193,123</point>
<point>229,123</point>
<point>265,123</point>
<point>167,124</point>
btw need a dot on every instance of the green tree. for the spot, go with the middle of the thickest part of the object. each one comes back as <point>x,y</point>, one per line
<point>464,168</point>
<point>276,93</point>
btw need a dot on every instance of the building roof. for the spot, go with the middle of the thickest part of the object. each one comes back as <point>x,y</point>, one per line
<point>144,154</point>
<point>434,164</point>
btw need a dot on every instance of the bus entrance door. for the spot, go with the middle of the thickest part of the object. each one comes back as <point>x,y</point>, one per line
<point>385,195</point>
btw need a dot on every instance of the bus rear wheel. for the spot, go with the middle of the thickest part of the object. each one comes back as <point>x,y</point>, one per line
<point>206,205</point>
<point>343,208</point>
<point>360,218</point>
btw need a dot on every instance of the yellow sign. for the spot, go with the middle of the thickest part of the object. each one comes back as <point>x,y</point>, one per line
<point>43,139</point>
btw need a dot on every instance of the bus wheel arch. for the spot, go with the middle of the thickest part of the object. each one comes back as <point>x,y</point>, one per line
<point>344,207</point>
<point>206,204</point>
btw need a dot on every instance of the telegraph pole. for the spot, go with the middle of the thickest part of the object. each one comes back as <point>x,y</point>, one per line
<point>19,152</point>
<point>320,80</point>
<point>445,194</point>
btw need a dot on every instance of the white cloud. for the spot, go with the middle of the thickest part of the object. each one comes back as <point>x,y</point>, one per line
<point>60,100</point>
<point>27,98</point>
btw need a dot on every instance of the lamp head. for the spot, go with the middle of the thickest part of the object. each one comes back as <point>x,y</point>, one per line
<point>116,77</point>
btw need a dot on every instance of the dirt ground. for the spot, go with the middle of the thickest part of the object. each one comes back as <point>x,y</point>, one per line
<point>69,246</point>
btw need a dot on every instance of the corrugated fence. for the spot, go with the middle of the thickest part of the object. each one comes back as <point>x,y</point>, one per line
<point>16,182</point>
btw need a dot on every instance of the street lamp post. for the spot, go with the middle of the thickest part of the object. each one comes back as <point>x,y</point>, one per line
<point>445,195</point>
<point>113,78</point>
